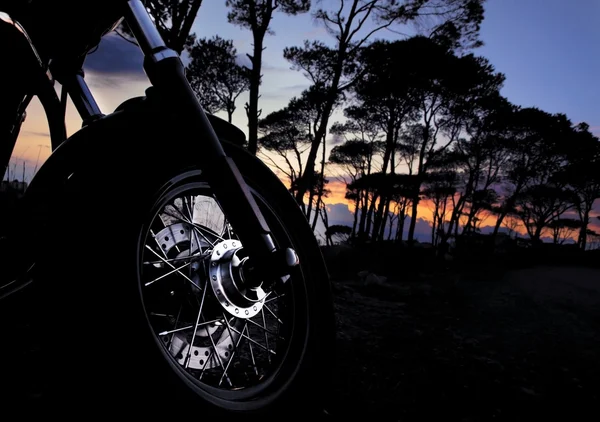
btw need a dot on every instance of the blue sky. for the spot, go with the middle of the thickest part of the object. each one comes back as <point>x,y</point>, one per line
<point>546,48</point>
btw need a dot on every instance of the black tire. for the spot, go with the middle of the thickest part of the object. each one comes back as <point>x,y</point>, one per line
<point>102,344</point>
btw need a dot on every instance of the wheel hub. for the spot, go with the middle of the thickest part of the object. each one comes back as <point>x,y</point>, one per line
<point>227,281</point>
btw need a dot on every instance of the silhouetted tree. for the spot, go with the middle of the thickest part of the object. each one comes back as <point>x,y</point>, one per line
<point>583,175</point>
<point>439,187</point>
<point>478,158</point>
<point>173,19</point>
<point>537,147</point>
<point>447,90</point>
<point>401,197</point>
<point>356,154</point>
<point>512,222</point>
<point>594,239</point>
<point>256,16</point>
<point>383,93</point>
<point>455,20</point>
<point>338,234</point>
<point>539,205</point>
<point>563,228</point>
<point>215,75</point>
<point>287,133</point>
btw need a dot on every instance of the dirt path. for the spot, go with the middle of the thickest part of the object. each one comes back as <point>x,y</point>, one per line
<point>523,348</point>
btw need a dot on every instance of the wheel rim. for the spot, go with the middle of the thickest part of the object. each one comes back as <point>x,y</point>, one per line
<point>226,341</point>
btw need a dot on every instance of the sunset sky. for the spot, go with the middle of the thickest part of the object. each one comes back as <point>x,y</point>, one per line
<point>546,48</point>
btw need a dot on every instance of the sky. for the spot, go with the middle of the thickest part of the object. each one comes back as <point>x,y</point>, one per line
<point>546,48</point>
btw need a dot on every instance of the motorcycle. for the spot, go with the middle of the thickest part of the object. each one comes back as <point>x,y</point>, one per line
<point>170,265</point>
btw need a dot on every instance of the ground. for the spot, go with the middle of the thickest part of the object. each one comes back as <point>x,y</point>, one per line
<point>524,346</point>
<point>518,348</point>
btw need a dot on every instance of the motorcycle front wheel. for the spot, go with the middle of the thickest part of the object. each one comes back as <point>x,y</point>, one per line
<point>153,306</point>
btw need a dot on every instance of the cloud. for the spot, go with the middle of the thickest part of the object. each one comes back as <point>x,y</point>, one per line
<point>275,95</point>
<point>115,56</point>
<point>339,214</point>
<point>243,60</point>
<point>111,81</point>
<point>296,87</point>
<point>35,133</point>
<point>316,33</point>
<point>266,67</point>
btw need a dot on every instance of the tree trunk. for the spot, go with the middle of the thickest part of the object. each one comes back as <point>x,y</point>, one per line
<point>391,230</point>
<point>255,76</point>
<point>356,204</point>
<point>585,221</point>
<point>186,27</point>
<point>363,214</point>
<point>537,234</point>
<point>389,144</point>
<point>370,215</point>
<point>420,178</point>
<point>384,220</point>
<point>470,218</point>
<point>309,205</point>
<point>378,220</point>
<point>499,220</point>
<point>305,181</point>
<point>321,185</point>
<point>325,219</point>
<point>433,224</point>
<point>413,217</point>
<point>400,229</point>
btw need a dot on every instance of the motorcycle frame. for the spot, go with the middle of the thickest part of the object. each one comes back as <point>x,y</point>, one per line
<point>166,73</point>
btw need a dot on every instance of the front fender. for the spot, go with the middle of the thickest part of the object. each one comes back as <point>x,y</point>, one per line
<point>102,146</point>
<point>224,130</point>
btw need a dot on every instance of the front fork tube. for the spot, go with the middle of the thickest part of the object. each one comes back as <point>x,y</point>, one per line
<point>166,72</point>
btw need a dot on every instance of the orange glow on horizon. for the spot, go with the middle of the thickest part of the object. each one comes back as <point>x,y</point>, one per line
<point>425,209</point>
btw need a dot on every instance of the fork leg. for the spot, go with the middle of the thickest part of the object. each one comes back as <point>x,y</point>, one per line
<point>166,72</point>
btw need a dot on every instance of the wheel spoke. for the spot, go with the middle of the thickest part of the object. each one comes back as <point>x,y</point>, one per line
<point>230,357</point>
<point>193,318</point>
<point>178,269</point>
<point>172,266</point>
<point>206,363</point>
<point>272,313</point>
<point>198,228</point>
<point>214,346</point>
<point>193,236</point>
<point>191,258</point>
<point>262,311</point>
<point>187,327</point>
<point>187,358</point>
<point>275,298</point>
<point>252,352</point>
<point>264,328</point>
<point>254,341</point>
<point>161,315</point>
<point>176,323</point>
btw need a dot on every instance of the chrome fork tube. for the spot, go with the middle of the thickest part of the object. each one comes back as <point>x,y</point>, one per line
<point>145,32</point>
<point>166,72</point>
